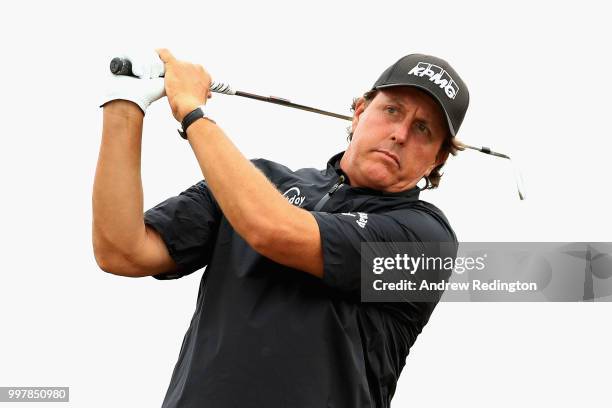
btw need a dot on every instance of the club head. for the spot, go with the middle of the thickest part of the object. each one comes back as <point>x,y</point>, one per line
<point>518,178</point>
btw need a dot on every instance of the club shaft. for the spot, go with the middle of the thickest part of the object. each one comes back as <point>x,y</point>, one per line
<point>486,150</point>
<point>285,102</point>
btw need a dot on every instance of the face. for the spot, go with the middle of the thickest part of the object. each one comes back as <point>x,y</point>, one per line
<point>396,140</point>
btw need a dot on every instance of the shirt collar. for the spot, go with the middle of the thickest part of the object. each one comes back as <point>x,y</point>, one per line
<point>333,166</point>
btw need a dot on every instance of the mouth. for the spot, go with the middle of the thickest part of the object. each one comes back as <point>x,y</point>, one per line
<point>389,155</point>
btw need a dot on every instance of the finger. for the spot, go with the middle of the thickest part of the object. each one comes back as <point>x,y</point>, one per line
<point>165,55</point>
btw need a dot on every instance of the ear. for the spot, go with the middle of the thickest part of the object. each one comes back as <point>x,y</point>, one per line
<point>359,108</point>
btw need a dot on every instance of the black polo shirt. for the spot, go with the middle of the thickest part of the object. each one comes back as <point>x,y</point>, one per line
<point>265,335</point>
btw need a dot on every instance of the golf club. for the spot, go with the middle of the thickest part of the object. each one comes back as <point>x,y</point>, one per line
<point>123,66</point>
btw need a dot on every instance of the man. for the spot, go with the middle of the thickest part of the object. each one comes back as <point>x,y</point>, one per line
<point>279,321</point>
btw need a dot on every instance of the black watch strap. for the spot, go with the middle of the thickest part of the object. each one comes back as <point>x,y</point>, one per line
<point>191,117</point>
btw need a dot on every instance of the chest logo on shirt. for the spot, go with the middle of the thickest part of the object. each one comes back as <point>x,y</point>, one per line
<point>361,221</point>
<point>294,196</point>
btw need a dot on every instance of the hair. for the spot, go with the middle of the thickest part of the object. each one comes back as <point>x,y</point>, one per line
<point>450,143</point>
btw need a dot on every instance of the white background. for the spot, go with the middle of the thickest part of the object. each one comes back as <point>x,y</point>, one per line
<point>538,74</point>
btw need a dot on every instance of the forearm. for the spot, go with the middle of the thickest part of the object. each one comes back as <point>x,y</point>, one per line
<point>249,201</point>
<point>117,191</point>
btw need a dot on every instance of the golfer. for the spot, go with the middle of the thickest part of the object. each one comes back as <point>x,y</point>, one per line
<point>279,321</point>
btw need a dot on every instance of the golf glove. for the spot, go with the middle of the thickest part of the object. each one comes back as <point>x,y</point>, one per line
<point>145,88</point>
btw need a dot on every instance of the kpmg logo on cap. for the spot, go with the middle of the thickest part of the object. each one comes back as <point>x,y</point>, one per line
<point>438,76</point>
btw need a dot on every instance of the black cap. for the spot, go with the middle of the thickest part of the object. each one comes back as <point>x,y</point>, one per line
<point>434,76</point>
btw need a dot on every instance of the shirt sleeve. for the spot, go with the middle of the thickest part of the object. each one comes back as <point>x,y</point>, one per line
<point>188,225</point>
<point>389,329</point>
<point>342,235</point>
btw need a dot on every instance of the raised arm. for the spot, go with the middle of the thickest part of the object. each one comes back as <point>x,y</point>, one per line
<point>257,211</point>
<point>122,244</point>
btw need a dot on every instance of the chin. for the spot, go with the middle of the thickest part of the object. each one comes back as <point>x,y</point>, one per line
<point>378,177</point>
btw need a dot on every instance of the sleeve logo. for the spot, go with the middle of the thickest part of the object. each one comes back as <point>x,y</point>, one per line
<point>362,218</point>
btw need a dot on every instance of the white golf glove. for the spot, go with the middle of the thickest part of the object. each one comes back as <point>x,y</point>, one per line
<point>145,89</point>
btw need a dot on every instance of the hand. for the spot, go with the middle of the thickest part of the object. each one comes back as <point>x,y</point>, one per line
<point>145,89</point>
<point>142,92</point>
<point>187,85</point>
<point>146,64</point>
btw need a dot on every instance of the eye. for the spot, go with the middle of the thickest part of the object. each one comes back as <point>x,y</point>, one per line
<point>390,109</point>
<point>422,128</point>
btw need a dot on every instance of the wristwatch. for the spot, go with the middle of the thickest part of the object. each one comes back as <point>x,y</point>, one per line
<point>197,113</point>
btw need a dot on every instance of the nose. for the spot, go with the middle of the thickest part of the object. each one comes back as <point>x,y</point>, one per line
<point>402,129</point>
